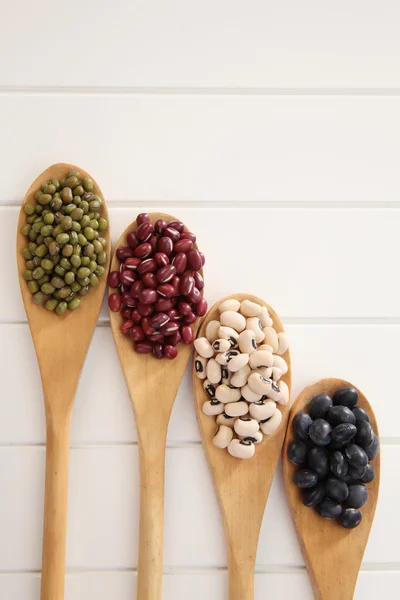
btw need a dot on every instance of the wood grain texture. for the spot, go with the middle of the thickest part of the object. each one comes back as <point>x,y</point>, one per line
<point>152,385</point>
<point>61,344</point>
<point>332,553</point>
<point>242,485</point>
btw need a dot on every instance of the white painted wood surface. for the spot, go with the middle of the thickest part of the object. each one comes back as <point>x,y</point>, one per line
<point>273,130</point>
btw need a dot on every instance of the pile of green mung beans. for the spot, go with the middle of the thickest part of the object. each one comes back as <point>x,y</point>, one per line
<point>66,252</point>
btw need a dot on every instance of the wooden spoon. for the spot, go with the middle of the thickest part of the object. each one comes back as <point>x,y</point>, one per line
<point>332,553</point>
<point>152,386</point>
<point>61,344</point>
<point>242,485</point>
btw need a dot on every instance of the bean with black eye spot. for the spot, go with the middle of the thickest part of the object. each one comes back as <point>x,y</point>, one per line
<point>313,496</point>
<point>344,432</point>
<point>356,456</point>
<point>305,478</point>
<point>358,495</point>
<point>319,406</point>
<point>340,414</point>
<point>318,461</point>
<point>373,449</point>
<point>347,396</point>
<point>365,434</point>
<point>335,489</point>
<point>297,452</point>
<point>301,425</point>
<point>320,432</point>
<point>338,464</point>
<point>328,508</point>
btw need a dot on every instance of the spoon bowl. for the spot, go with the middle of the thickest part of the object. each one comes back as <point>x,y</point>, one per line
<point>152,386</point>
<point>61,344</point>
<point>332,553</point>
<point>242,485</point>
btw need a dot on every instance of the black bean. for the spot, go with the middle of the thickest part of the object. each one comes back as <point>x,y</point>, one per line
<point>329,509</point>
<point>335,489</point>
<point>356,456</point>
<point>318,461</point>
<point>335,445</point>
<point>365,434</point>
<point>313,496</point>
<point>304,478</point>
<point>347,396</point>
<point>319,406</point>
<point>339,464</point>
<point>356,472</point>
<point>297,452</point>
<point>360,414</point>
<point>369,474</point>
<point>320,432</point>
<point>350,518</point>
<point>344,432</point>
<point>372,450</point>
<point>301,425</point>
<point>358,495</point>
<point>340,414</point>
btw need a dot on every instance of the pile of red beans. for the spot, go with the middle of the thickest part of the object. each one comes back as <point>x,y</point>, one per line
<point>159,286</point>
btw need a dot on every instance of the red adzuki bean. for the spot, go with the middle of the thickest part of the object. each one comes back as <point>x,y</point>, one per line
<point>174,339</point>
<point>165,245</point>
<point>184,308</point>
<point>201,307</point>
<point>136,288</point>
<point>191,318</point>
<point>183,246</point>
<point>132,240</point>
<point>165,273</point>
<point>143,250</point>
<point>164,304</point>
<point>127,278</point>
<point>147,327</point>
<point>158,350</point>
<point>136,316</point>
<point>128,300</point>
<point>114,302</point>
<point>161,259</point>
<point>180,261</point>
<point>187,284</point>
<point>194,260</point>
<point>167,290</point>
<point>147,296</point>
<point>170,352</point>
<point>178,225</point>
<point>149,280</point>
<point>124,252</point>
<point>170,328</point>
<point>156,337</point>
<point>188,235</point>
<point>153,242</point>
<point>173,314</point>
<point>194,296</point>
<point>187,334</point>
<point>126,326</point>
<point>142,218</point>
<point>144,347</point>
<point>113,279</point>
<point>203,258</point>
<point>144,231</point>
<point>172,233</point>
<point>145,309</point>
<point>136,333</point>
<point>126,313</point>
<point>159,319</point>
<point>160,225</point>
<point>132,263</point>
<point>198,280</point>
<point>147,266</point>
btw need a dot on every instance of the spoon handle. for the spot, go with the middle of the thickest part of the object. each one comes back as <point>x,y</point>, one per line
<point>55,508</point>
<point>241,578</point>
<point>150,563</point>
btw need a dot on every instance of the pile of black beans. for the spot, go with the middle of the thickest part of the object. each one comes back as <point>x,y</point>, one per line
<point>333,445</point>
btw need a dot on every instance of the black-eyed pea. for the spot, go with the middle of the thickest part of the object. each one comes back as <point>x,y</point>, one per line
<point>262,409</point>
<point>203,347</point>
<point>239,378</point>
<point>276,373</point>
<point>256,437</point>
<point>283,342</point>
<point>221,345</point>
<point>213,371</point>
<point>230,334</point>
<point>280,363</point>
<point>246,426</point>
<point>224,419</point>
<point>249,395</point>
<point>249,308</point>
<point>209,388</point>
<point>247,341</point>
<point>212,408</point>
<point>285,396</point>
<point>230,318</point>
<point>271,338</point>
<point>264,317</point>
<point>238,362</point>
<point>254,324</point>
<point>261,358</point>
<point>212,330</point>
<point>236,409</point>
<point>258,384</point>
<point>223,358</point>
<point>266,372</point>
<point>226,375</point>
<point>265,347</point>
<point>230,304</point>
<point>227,395</point>
<point>241,448</point>
<point>223,437</point>
<point>270,425</point>
<point>273,391</point>
<point>200,364</point>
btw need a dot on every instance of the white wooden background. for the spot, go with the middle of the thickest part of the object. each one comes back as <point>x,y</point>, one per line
<point>273,130</point>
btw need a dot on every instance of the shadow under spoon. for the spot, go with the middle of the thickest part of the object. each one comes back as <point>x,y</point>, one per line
<point>152,386</point>
<point>61,344</point>
<point>332,553</point>
<point>242,486</point>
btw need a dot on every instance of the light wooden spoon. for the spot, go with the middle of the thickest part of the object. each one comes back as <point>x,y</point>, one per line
<point>332,553</point>
<point>242,485</point>
<point>152,386</point>
<point>61,344</point>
